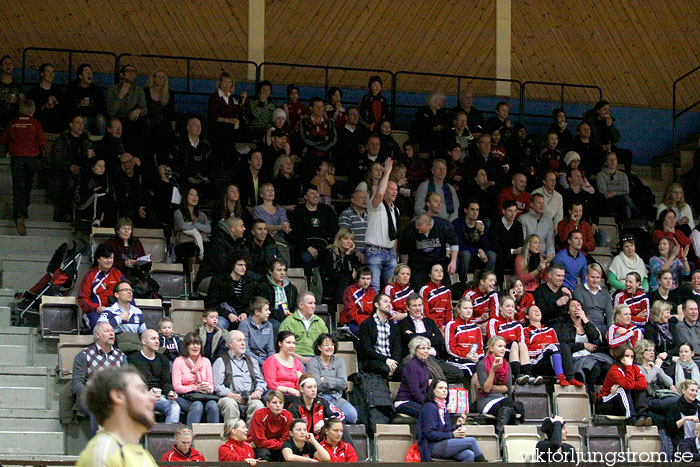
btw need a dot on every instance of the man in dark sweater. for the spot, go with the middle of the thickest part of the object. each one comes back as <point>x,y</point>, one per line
<point>552,296</point>
<point>424,243</point>
<point>313,227</point>
<point>48,100</point>
<point>380,344</point>
<point>506,238</point>
<point>132,195</point>
<point>87,99</point>
<point>155,369</point>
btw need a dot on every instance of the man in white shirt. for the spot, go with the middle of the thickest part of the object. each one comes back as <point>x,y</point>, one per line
<point>535,222</point>
<point>382,230</point>
<point>553,202</point>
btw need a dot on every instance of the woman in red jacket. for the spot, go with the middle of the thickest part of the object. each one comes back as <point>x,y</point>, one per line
<point>666,228</point>
<point>463,340</point>
<point>624,390</point>
<point>483,296</point>
<point>332,441</point>
<point>269,428</point>
<point>523,300</point>
<point>97,285</point>
<point>236,448</point>
<point>183,450</point>
<point>399,290</point>
<point>437,298</point>
<point>623,329</point>
<point>507,327</point>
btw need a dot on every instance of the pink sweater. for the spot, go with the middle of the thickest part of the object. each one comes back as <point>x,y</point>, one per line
<point>183,379</point>
<point>277,374</point>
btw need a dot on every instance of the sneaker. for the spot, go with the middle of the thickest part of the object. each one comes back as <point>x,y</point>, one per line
<point>561,381</point>
<point>575,382</point>
<point>648,421</point>
<point>640,422</point>
<point>21,229</point>
<point>523,379</point>
<point>537,380</point>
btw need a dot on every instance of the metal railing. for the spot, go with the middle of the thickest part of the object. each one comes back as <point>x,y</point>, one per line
<point>675,116</point>
<point>396,88</point>
<point>70,53</point>
<point>562,100</point>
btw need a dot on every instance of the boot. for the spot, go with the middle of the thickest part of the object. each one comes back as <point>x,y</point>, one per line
<point>505,413</point>
<point>480,458</point>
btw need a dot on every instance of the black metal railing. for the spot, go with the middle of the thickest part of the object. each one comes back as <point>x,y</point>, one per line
<point>562,99</point>
<point>675,115</point>
<point>70,53</point>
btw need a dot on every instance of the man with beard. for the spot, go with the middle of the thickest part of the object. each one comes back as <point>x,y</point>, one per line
<point>123,406</point>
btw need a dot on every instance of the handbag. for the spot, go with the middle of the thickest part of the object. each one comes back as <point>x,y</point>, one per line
<point>458,400</point>
<point>413,454</point>
<point>194,396</point>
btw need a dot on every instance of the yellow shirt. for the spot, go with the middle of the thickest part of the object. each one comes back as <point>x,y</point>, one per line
<point>106,450</point>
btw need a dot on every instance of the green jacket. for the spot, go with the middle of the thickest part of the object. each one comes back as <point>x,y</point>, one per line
<point>305,338</point>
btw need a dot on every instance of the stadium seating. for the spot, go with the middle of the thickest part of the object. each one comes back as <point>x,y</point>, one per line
<point>603,439</point>
<point>160,439</point>
<point>391,442</point>
<point>206,438</point>
<point>186,315</point>
<point>642,439</point>
<point>535,400</point>
<point>346,352</point>
<point>358,434</point>
<point>486,436</point>
<point>572,403</point>
<point>59,315</point>
<point>519,441</point>
<point>153,311</point>
<point>68,347</point>
<point>171,280</point>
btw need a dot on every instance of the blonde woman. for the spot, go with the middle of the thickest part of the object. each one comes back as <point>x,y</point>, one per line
<point>287,186</point>
<point>236,448</point>
<point>398,290</point>
<point>531,265</point>
<point>183,451</point>
<point>160,102</point>
<point>660,388</point>
<point>339,265</point>
<point>674,199</point>
<point>428,123</point>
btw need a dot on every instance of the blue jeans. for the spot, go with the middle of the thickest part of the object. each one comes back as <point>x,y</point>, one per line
<point>195,410</point>
<point>462,449</point>
<point>169,408</point>
<point>346,407</point>
<point>410,408</point>
<point>23,169</point>
<point>465,259</point>
<point>382,262</point>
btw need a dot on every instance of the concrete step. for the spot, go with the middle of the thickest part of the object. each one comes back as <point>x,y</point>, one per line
<point>7,298</point>
<point>5,315</point>
<point>36,231</point>
<point>32,424</point>
<point>13,354</point>
<point>31,376</point>
<point>23,396</point>
<point>30,245</point>
<point>35,443</point>
<point>37,211</point>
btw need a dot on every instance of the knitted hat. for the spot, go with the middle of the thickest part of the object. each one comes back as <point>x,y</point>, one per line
<point>570,156</point>
<point>374,78</point>
<point>277,113</point>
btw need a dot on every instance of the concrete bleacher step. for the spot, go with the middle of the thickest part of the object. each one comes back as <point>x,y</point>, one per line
<point>35,442</point>
<point>37,211</point>
<point>22,396</point>
<point>30,245</point>
<point>22,346</point>
<point>37,228</point>
<point>5,315</point>
<point>7,298</point>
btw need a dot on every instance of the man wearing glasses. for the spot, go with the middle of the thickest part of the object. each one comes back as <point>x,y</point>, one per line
<point>126,319</point>
<point>127,102</point>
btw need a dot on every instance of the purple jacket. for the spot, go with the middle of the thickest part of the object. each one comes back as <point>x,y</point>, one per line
<point>414,381</point>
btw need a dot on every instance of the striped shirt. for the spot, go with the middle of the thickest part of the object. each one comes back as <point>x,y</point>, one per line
<point>357,223</point>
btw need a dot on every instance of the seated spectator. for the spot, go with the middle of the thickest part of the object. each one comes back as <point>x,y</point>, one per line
<point>572,161</point>
<point>224,116</point>
<point>625,262</point>
<point>531,265</point>
<point>311,408</point>
<point>573,221</point>
<point>559,125</point>
<point>550,157</point>
<point>371,154</point>
<point>688,330</point>
<point>48,100</point>
<point>354,218</point>
<point>463,340</point>
<point>269,428</point>
<point>302,446</point>
<point>576,193</point>
<point>258,330</point>
<point>501,121</point>
<point>424,243</point>
<point>417,324</point>
<point>275,217</point>
<point>603,133</point>
<point>95,196</point>
<point>573,260</point>
<point>658,331</point>
<point>483,296</point>
<point>535,222</point>
<point>83,97</point>
<point>133,197</point>
<point>428,123</point>
<point>332,440</point>
<point>238,380</point>
<point>495,385</point>
<point>195,160</point>
<point>437,298</point>
<point>554,203</point>
<point>331,375</point>
<point>193,382</point>
<point>278,121</point>
<point>472,235</point>
<point>483,190</point>
<point>374,174</point>
<point>450,202</point>
<point>389,146</point>
<point>516,193</point>
<point>127,102</point>
<point>282,370</point>
<point>324,181</point>
<point>122,315</point>
<point>552,296</point>
<point>505,325</point>
<point>484,159</point>
<point>506,238</point>
<point>127,249</point>
<point>334,108</point>
<point>379,350</point>
<point>230,293</point>
<point>277,143</point>
<point>595,298</point>
<point>351,142</point>
<point>694,290</point>
<point>666,291</point>
<point>497,148</point>
<point>661,391</point>
<point>155,369</point>
<point>459,134</point>
<point>339,268</point>
<point>623,331</point>
<point>226,242</point>
<point>674,199</point>
<point>191,227</point>
<point>399,290</point>
<point>682,416</point>
<point>287,186</point>
<point>522,150</point>
<point>373,106</point>
<point>160,101</point>
<point>613,184</point>
<point>358,302</point>
<point>555,432</point>
<point>168,340</point>
<point>211,335</point>
<point>278,290</point>
<point>318,134</point>
<point>182,450</point>
<point>672,257</point>
<point>523,299</point>
<point>584,340</point>
<point>262,248</point>
<point>112,146</point>
<point>97,285</point>
<point>666,228</point>
<point>542,342</point>
<point>236,449</point>
<point>684,367</point>
<point>306,326</point>
<point>437,437</point>
<point>592,157</point>
<point>688,448</point>
<point>414,378</point>
<point>625,389</point>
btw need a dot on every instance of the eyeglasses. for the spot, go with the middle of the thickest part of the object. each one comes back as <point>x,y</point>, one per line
<point>125,290</point>
<point>328,344</point>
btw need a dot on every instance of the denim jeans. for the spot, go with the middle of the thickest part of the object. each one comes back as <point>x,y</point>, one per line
<point>169,408</point>
<point>346,407</point>
<point>462,449</point>
<point>23,169</point>
<point>195,410</point>
<point>465,259</point>
<point>382,262</point>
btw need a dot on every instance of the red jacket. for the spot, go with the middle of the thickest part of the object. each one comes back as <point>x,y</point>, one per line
<point>522,200</point>
<point>320,410</point>
<point>174,456</point>
<point>357,304</point>
<point>526,302</point>
<point>398,297</point>
<point>676,237</point>
<point>618,335</point>
<point>637,303</point>
<point>343,452</point>
<point>485,306</point>
<point>24,137</point>
<point>537,339</point>
<point>90,296</point>
<point>267,431</point>
<point>567,225</point>
<point>459,337</point>
<point>437,302</point>
<point>235,451</point>
<point>630,379</point>
<point>510,330</point>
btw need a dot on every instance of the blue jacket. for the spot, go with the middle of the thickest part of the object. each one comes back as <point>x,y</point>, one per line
<point>431,430</point>
<point>575,267</point>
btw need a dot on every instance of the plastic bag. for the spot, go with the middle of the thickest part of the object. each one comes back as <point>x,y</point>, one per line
<point>413,454</point>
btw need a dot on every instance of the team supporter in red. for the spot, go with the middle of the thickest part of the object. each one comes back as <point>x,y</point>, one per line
<point>236,448</point>
<point>623,330</point>
<point>373,106</point>
<point>624,390</point>
<point>97,285</point>
<point>463,340</point>
<point>635,298</point>
<point>505,326</point>
<point>517,193</point>
<point>183,450</point>
<point>574,221</point>
<point>666,228</point>
<point>437,298</point>
<point>545,352</point>
<point>483,296</point>
<point>269,428</point>
<point>332,441</point>
<point>357,301</point>
<point>311,408</point>
<point>523,300</point>
<point>398,291</point>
